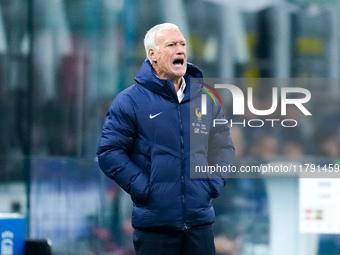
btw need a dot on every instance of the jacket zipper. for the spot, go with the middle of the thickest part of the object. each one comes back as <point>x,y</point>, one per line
<point>182,166</point>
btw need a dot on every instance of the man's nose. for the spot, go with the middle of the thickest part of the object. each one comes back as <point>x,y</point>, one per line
<point>180,49</point>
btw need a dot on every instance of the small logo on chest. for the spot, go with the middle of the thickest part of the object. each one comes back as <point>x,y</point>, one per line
<point>154,116</point>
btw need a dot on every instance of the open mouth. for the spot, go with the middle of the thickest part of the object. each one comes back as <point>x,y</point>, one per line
<point>178,62</point>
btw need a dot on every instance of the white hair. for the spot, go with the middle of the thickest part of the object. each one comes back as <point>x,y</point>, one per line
<point>149,39</point>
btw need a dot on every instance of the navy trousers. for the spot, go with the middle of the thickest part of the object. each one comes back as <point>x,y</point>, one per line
<point>198,241</point>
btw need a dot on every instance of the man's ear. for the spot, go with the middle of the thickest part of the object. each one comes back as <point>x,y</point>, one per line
<point>152,54</point>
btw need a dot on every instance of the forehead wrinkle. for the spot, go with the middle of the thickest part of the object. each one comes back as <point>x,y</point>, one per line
<point>176,41</point>
<point>161,38</point>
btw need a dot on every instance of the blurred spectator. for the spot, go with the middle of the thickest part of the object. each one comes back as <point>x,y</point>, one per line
<point>327,144</point>
<point>292,150</point>
<point>238,140</point>
<point>327,136</point>
<point>227,237</point>
<point>292,138</point>
<point>265,147</point>
<point>60,120</point>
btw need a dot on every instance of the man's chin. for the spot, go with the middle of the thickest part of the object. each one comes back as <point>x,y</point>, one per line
<point>179,73</point>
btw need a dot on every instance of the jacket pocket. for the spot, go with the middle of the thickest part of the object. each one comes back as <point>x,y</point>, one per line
<point>216,185</point>
<point>139,190</point>
<point>141,155</point>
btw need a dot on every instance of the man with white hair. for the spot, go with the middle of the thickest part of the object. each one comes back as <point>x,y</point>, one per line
<point>145,148</point>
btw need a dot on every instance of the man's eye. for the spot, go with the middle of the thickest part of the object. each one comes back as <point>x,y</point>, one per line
<point>171,44</point>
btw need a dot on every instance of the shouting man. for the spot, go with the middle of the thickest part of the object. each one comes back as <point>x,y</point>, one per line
<point>145,148</point>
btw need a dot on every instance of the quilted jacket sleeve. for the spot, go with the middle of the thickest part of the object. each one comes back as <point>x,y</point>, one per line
<point>115,146</point>
<point>221,152</point>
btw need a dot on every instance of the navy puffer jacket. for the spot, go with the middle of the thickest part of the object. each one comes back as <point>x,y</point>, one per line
<point>145,148</point>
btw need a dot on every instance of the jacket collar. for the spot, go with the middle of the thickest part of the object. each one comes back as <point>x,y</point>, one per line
<point>147,78</point>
